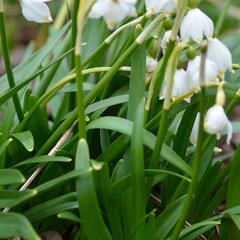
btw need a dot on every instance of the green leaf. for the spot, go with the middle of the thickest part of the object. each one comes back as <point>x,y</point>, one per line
<point>137,80</point>
<point>106,103</point>
<point>10,176</point>
<point>88,204</point>
<point>168,218</point>
<point>26,139</point>
<point>9,198</point>
<point>125,126</point>
<point>52,207</point>
<point>43,159</point>
<point>195,227</point>
<point>236,220</point>
<point>123,183</point>
<point>16,225</point>
<point>60,180</point>
<point>28,68</point>
<point>138,186</point>
<point>4,146</point>
<point>69,216</point>
<point>233,197</point>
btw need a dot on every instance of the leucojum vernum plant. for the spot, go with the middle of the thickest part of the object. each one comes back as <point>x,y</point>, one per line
<point>123,124</point>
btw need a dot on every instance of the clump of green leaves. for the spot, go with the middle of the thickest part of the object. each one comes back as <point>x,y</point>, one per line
<point>90,151</point>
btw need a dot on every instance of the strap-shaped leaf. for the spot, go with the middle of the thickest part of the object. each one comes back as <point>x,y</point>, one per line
<point>126,127</point>
<point>16,225</point>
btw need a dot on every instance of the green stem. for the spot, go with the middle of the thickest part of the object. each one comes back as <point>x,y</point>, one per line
<point>44,84</point>
<point>80,99</point>
<point>74,26</point>
<point>7,62</point>
<point>197,158</point>
<point>222,17</point>
<point>233,103</point>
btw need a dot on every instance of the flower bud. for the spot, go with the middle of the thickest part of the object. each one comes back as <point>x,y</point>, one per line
<point>168,24</point>
<point>191,53</point>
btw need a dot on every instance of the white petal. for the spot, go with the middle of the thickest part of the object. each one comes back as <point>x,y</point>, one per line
<point>100,8</point>
<point>37,11</point>
<point>215,120</point>
<point>151,64</point>
<point>113,11</point>
<point>166,38</point>
<point>230,132</point>
<point>179,86</point>
<point>160,5</point>
<point>193,72</point>
<point>196,25</point>
<point>220,54</point>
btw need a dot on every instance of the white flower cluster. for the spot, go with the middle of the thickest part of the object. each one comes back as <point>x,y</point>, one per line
<point>195,28</point>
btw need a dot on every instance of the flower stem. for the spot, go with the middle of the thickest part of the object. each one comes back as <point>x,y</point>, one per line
<point>197,158</point>
<point>79,75</point>
<point>6,57</point>
<point>75,7</point>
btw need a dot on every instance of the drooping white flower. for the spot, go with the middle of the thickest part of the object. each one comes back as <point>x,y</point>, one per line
<point>220,54</point>
<point>194,133</point>
<point>113,11</point>
<point>151,65</point>
<point>195,26</point>
<point>216,121</point>
<point>193,73</point>
<point>156,6</point>
<point>165,40</point>
<point>179,86</point>
<point>36,10</point>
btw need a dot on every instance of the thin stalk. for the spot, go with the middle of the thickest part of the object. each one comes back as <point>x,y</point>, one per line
<point>75,8</point>
<point>222,17</point>
<point>233,102</point>
<point>79,75</point>
<point>80,98</point>
<point>197,158</point>
<point>44,84</point>
<point>166,106</point>
<point>7,62</point>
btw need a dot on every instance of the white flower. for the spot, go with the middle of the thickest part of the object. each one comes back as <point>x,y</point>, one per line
<point>193,73</point>
<point>216,121</point>
<point>165,40</point>
<point>113,11</point>
<point>151,64</point>
<point>179,86</point>
<point>194,133</point>
<point>156,6</point>
<point>220,54</point>
<point>196,25</point>
<point>36,10</point>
